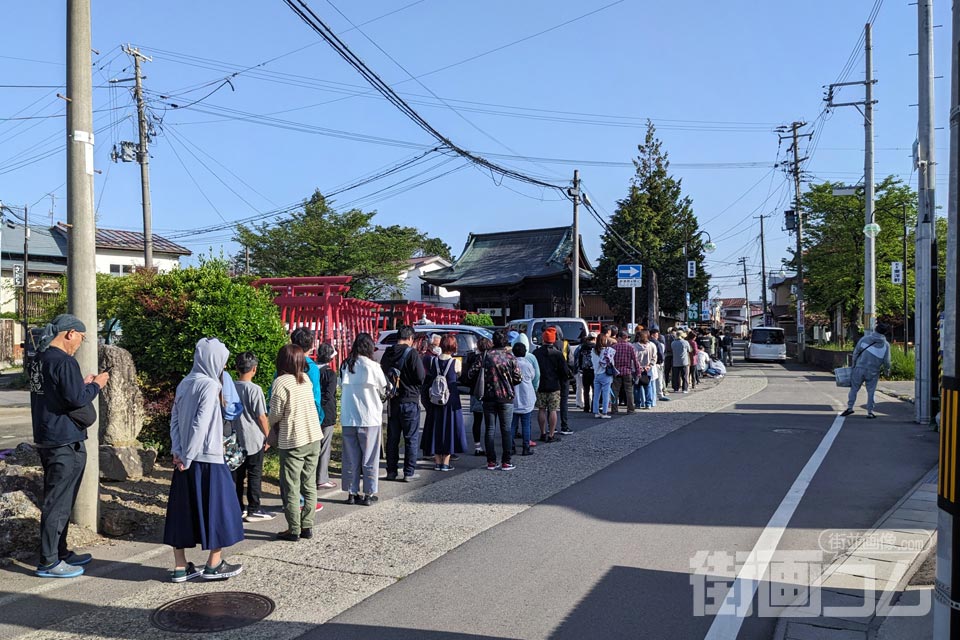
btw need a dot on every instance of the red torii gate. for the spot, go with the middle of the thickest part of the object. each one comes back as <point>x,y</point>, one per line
<point>320,303</point>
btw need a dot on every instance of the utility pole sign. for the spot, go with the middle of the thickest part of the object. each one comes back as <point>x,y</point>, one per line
<point>896,272</point>
<point>18,275</point>
<point>691,269</point>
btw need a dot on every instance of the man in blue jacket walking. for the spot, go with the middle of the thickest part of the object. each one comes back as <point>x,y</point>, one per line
<point>61,403</point>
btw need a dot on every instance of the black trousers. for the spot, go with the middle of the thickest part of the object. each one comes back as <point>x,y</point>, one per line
<point>62,471</point>
<point>251,472</point>
<point>564,405</point>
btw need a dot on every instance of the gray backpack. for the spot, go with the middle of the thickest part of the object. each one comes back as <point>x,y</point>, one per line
<point>439,389</point>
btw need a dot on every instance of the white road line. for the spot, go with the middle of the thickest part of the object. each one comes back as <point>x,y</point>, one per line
<point>726,625</point>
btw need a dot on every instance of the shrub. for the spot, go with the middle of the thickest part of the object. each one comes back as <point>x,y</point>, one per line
<point>901,364</point>
<point>164,315</point>
<point>478,320</point>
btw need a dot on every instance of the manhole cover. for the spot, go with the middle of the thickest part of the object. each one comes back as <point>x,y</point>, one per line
<point>211,612</point>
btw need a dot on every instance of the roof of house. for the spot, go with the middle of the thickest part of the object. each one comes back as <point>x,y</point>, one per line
<point>43,242</point>
<point>413,263</point>
<point>510,257</point>
<point>119,240</point>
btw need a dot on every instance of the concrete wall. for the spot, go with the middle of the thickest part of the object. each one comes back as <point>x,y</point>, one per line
<point>413,281</point>
<point>826,359</point>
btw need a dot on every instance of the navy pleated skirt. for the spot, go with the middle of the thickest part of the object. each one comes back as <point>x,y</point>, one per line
<point>203,508</point>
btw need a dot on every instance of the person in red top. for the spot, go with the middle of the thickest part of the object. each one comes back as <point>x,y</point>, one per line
<point>628,368</point>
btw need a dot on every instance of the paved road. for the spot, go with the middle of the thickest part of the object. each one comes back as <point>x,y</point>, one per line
<point>15,425</point>
<point>611,556</point>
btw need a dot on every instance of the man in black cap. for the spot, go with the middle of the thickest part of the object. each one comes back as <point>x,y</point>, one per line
<point>61,403</point>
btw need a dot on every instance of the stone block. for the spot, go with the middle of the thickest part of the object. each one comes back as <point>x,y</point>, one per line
<point>121,403</point>
<point>19,523</point>
<point>118,522</point>
<point>125,463</point>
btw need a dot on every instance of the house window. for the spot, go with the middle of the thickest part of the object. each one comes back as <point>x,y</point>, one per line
<point>121,269</point>
<point>428,290</point>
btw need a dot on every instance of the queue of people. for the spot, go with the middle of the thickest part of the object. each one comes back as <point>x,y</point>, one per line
<point>221,427</point>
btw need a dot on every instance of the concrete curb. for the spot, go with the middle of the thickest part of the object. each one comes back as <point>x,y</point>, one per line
<point>894,394</point>
<point>891,551</point>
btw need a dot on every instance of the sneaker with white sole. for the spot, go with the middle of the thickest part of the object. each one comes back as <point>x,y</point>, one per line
<point>59,570</point>
<point>222,571</point>
<point>258,516</point>
<point>506,466</point>
<point>187,573</point>
<point>492,466</point>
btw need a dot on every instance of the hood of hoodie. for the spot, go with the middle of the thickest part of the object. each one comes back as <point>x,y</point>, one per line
<point>525,340</point>
<point>874,339</point>
<point>210,358</point>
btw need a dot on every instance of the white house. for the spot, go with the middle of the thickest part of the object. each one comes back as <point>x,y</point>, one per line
<point>117,253</point>
<point>415,289</point>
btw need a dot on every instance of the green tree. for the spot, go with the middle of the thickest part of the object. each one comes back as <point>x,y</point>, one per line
<point>657,220</point>
<point>164,315</point>
<point>834,249</point>
<point>478,320</point>
<point>319,241</point>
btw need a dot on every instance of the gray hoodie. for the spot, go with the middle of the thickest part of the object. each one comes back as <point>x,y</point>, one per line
<point>872,354</point>
<point>196,422</point>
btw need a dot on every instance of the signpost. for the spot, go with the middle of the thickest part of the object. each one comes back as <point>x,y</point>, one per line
<point>630,276</point>
<point>18,275</point>
<point>691,268</point>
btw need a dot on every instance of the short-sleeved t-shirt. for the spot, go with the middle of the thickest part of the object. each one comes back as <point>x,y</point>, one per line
<point>247,424</point>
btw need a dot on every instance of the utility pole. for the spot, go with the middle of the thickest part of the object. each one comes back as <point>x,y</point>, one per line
<point>906,308</point>
<point>26,272</point>
<point>926,374</point>
<point>746,294</point>
<point>53,204</point>
<point>763,269</point>
<point>795,136</point>
<point>574,193</point>
<point>870,229</point>
<point>869,246</point>
<point>81,246</point>
<point>143,157</point>
<point>246,253</point>
<point>946,616</point>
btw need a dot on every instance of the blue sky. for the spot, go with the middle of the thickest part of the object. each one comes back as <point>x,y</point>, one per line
<point>716,78</point>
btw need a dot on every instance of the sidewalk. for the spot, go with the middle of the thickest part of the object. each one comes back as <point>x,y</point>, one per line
<point>899,389</point>
<point>356,551</point>
<point>857,594</point>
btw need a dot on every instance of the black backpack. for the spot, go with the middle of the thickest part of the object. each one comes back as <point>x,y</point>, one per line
<point>392,375</point>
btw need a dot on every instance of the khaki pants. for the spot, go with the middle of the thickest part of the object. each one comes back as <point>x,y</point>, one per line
<point>298,477</point>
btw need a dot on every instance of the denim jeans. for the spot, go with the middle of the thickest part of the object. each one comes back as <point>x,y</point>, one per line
<point>601,392</point>
<point>647,395</point>
<point>521,421</point>
<point>404,421</point>
<point>498,414</point>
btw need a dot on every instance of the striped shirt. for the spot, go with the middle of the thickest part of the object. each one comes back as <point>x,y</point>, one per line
<point>294,412</point>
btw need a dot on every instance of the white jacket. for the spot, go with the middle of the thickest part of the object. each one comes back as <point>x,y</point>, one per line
<point>360,400</point>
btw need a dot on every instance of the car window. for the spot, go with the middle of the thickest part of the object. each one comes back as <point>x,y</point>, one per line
<point>390,338</point>
<point>571,329</point>
<point>466,342</point>
<point>766,336</point>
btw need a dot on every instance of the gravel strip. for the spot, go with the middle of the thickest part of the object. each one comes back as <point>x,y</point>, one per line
<point>357,555</point>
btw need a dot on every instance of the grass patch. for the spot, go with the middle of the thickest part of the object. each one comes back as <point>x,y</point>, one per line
<point>901,364</point>
<point>271,461</point>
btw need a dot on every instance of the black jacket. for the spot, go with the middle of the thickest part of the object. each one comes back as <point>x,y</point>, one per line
<point>328,395</point>
<point>411,371</point>
<point>56,389</point>
<point>553,368</point>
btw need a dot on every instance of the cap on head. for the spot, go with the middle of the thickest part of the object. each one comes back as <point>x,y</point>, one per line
<point>549,335</point>
<point>513,336</point>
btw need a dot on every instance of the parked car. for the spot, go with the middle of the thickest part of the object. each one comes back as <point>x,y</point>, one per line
<point>570,328</point>
<point>466,336</point>
<point>766,343</point>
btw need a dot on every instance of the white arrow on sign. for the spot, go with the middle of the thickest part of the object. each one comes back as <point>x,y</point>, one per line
<point>629,272</point>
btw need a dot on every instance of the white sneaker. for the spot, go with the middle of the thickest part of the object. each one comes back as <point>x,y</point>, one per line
<point>258,516</point>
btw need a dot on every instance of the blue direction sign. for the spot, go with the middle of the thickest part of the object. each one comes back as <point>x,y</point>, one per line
<point>629,275</point>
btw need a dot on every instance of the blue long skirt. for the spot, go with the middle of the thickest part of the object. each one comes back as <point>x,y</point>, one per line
<point>203,508</point>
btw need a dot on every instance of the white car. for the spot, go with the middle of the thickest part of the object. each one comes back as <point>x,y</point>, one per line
<point>767,343</point>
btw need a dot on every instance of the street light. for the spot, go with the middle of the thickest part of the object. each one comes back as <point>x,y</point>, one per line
<point>708,247</point>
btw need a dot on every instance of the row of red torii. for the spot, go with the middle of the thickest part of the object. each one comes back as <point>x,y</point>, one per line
<point>320,303</point>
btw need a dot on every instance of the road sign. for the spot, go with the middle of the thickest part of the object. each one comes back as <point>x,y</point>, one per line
<point>691,268</point>
<point>896,272</point>
<point>18,275</point>
<point>629,275</point>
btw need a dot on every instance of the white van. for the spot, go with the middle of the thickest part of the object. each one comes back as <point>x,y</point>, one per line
<point>767,343</point>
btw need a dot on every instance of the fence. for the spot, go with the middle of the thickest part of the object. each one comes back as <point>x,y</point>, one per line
<point>320,303</point>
